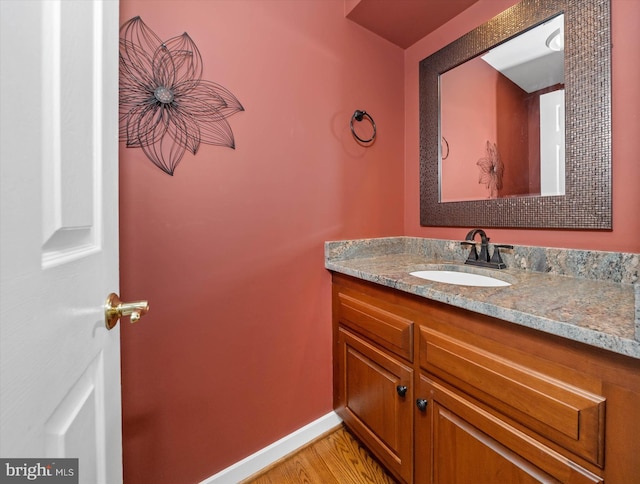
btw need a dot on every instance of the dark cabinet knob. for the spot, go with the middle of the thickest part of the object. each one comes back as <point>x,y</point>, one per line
<point>402,390</point>
<point>422,404</point>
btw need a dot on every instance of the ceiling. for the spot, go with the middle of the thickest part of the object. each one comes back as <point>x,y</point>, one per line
<point>403,22</point>
<point>529,59</point>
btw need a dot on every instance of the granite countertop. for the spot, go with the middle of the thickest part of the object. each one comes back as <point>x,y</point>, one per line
<point>588,296</point>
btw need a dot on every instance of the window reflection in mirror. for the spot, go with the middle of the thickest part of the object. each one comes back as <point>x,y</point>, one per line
<point>502,119</point>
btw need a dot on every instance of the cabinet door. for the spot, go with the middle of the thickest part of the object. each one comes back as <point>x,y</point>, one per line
<point>458,441</point>
<point>374,399</point>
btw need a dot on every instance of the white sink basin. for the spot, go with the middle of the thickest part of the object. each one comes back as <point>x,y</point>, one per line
<point>460,278</point>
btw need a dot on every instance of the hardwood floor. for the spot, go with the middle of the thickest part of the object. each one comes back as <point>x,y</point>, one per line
<point>334,458</point>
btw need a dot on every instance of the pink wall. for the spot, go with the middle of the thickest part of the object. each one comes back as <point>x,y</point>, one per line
<point>236,350</point>
<point>494,110</point>
<point>467,122</point>
<point>626,142</point>
<point>513,122</point>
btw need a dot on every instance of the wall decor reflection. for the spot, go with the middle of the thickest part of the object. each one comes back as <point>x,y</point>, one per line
<point>491,170</point>
<point>166,108</point>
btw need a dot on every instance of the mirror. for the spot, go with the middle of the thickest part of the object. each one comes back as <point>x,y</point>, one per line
<point>461,162</point>
<point>502,119</point>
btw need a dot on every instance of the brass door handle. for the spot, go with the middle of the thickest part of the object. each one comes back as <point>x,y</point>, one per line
<point>114,309</point>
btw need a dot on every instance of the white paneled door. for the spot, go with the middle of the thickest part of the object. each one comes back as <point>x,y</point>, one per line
<point>59,365</point>
<point>552,152</point>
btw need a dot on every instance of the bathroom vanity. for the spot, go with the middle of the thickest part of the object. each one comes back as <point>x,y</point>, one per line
<point>524,383</point>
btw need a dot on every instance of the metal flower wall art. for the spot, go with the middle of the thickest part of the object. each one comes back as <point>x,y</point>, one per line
<point>165,106</point>
<point>491,170</point>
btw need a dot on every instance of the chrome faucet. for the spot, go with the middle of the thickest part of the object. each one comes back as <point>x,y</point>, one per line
<point>482,259</point>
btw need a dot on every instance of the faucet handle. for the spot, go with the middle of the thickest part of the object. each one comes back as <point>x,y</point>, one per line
<point>496,258</point>
<point>473,253</point>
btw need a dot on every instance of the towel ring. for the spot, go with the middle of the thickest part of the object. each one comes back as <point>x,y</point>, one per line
<point>359,115</point>
<point>446,143</point>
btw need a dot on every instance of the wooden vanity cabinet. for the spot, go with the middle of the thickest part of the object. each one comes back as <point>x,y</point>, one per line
<point>491,401</point>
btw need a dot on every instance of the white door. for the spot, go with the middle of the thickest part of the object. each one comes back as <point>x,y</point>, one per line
<point>552,165</point>
<point>59,365</point>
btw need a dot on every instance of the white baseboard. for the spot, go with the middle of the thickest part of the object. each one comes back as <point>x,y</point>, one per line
<point>270,454</point>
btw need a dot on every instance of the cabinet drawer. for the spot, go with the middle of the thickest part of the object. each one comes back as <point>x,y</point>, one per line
<point>570,416</point>
<point>374,319</point>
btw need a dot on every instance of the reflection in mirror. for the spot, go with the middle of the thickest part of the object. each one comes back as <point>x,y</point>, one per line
<point>502,119</point>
